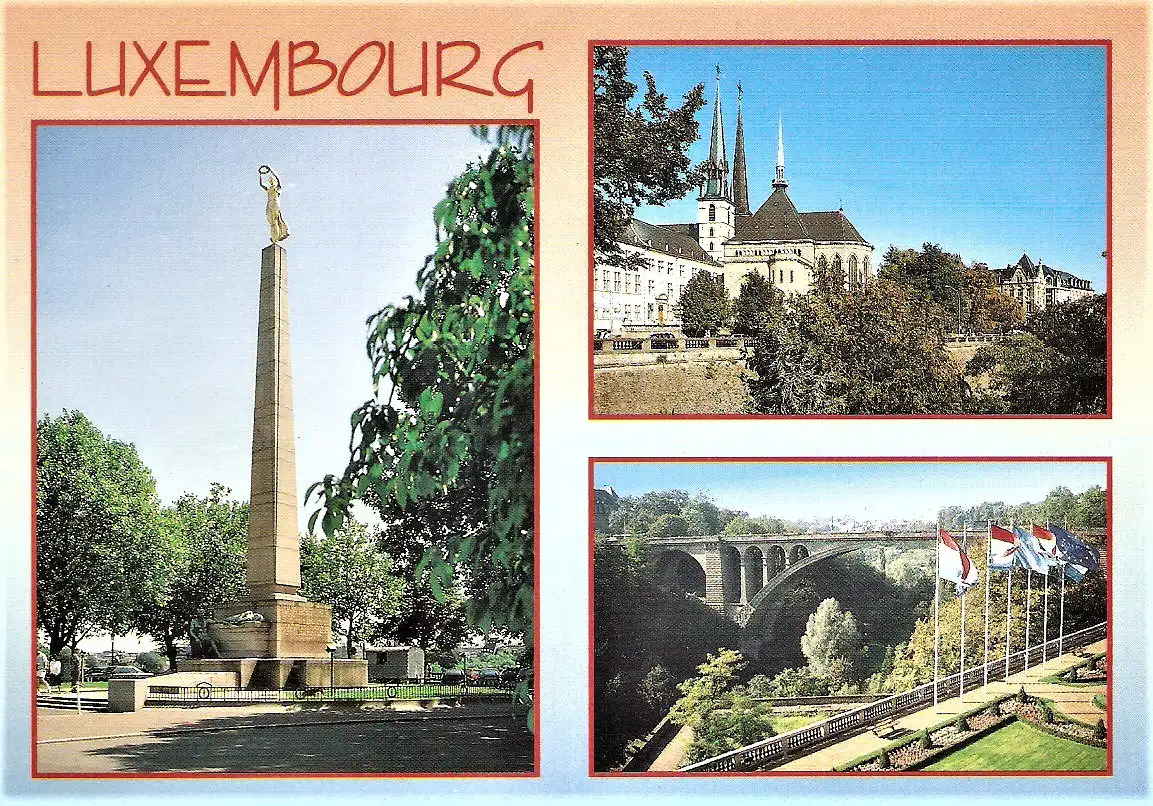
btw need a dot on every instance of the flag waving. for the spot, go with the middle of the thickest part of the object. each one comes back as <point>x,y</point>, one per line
<point>953,565</point>
<point>1079,557</point>
<point>1002,548</point>
<point>1028,555</point>
<point>1047,544</point>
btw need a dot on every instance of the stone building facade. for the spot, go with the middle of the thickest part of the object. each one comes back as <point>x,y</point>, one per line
<point>783,245</point>
<point>1037,286</point>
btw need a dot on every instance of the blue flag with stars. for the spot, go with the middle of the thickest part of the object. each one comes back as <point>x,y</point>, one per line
<point>1080,558</point>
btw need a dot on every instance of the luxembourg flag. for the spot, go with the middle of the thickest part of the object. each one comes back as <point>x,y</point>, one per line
<point>953,565</point>
<point>1002,547</point>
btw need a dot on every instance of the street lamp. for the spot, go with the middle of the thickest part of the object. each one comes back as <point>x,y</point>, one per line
<point>331,649</point>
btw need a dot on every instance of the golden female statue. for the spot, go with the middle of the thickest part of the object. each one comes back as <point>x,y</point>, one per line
<point>277,229</point>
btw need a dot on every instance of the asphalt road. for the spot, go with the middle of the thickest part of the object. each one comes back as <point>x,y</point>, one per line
<point>301,742</point>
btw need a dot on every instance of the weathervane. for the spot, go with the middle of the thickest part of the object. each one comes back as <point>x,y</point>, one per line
<point>277,229</point>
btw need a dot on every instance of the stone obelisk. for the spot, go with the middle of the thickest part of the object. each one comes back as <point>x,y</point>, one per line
<point>274,637</point>
<point>273,542</point>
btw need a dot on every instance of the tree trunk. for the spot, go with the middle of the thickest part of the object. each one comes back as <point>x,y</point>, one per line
<point>348,643</point>
<point>170,650</point>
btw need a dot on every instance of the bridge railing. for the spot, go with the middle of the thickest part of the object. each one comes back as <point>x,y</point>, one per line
<point>776,748</point>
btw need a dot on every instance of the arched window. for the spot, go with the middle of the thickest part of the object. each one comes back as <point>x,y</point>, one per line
<point>866,266</point>
<point>710,246</point>
<point>710,232</point>
<point>712,212</point>
<point>854,278</point>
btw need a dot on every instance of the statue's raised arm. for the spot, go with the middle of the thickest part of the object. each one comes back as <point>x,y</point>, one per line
<point>270,183</point>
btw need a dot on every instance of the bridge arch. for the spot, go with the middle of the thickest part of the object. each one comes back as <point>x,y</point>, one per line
<point>681,571</point>
<point>777,560</point>
<point>798,554</point>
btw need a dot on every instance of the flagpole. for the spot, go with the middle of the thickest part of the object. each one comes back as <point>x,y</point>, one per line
<point>1028,611</point>
<point>1009,601</point>
<point>1045,624</point>
<point>988,580</point>
<point>937,617</point>
<point>1061,628</point>
<point>964,540</point>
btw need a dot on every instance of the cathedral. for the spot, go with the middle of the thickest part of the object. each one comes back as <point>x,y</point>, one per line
<point>729,240</point>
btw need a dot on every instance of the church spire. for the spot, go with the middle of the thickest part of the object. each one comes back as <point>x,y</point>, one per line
<point>740,177</point>
<point>779,180</point>
<point>717,169</point>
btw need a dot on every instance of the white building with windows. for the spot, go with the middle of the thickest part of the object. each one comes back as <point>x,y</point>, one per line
<point>783,245</point>
<point>1037,286</point>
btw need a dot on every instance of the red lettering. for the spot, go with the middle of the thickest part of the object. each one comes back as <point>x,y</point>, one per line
<point>311,59</point>
<point>178,81</point>
<point>450,80</point>
<point>272,62</point>
<point>88,72</point>
<point>149,68</point>
<point>381,49</point>
<point>36,76</point>
<point>527,88</point>
<point>422,87</point>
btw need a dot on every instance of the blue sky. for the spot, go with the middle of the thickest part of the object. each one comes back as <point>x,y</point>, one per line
<point>148,248</point>
<point>862,490</point>
<point>990,151</point>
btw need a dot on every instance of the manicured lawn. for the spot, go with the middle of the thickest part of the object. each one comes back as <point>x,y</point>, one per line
<point>784,723</point>
<point>1018,746</point>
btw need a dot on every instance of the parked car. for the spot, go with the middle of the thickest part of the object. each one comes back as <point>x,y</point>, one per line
<point>127,673</point>
<point>452,677</point>
<point>662,337</point>
<point>602,333</point>
<point>511,674</point>
<point>489,677</point>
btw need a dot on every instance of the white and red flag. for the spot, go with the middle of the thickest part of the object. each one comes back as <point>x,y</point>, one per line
<point>953,564</point>
<point>1047,543</point>
<point>1002,547</point>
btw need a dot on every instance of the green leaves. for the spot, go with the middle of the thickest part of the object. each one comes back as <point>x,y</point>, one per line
<point>452,444</point>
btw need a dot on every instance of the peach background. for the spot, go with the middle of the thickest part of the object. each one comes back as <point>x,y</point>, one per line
<point>561,81</point>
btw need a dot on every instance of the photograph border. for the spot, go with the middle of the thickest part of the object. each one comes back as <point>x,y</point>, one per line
<point>864,42</point>
<point>535,124</point>
<point>891,774</point>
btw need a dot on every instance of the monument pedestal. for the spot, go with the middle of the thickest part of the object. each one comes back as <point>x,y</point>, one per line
<point>293,627</point>
<point>284,673</point>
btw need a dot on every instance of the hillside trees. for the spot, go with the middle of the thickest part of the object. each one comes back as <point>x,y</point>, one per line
<point>876,351</point>
<point>704,305</point>
<point>1057,366</point>
<point>640,150</point>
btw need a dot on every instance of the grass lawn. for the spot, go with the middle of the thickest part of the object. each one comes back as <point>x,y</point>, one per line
<point>1018,746</point>
<point>784,723</point>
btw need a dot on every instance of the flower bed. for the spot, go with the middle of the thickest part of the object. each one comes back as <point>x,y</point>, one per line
<point>910,754</point>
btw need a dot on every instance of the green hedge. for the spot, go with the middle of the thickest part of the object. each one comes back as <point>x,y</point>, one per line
<point>902,742</point>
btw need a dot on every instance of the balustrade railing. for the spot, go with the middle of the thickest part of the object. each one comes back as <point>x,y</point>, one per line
<point>859,719</point>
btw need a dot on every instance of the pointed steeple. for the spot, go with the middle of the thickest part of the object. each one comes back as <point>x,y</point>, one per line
<point>779,180</point>
<point>717,168</point>
<point>740,177</point>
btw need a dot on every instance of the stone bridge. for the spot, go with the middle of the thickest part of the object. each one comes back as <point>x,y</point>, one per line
<point>742,576</point>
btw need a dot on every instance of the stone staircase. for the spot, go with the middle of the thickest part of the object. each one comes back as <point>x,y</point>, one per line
<point>66,701</point>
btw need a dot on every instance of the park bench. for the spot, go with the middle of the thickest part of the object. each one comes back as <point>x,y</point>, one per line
<point>886,728</point>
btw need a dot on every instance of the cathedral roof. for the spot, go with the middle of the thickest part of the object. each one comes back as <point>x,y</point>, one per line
<point>678,240</point>
<point>831,226</point>
<point>776,220</point>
